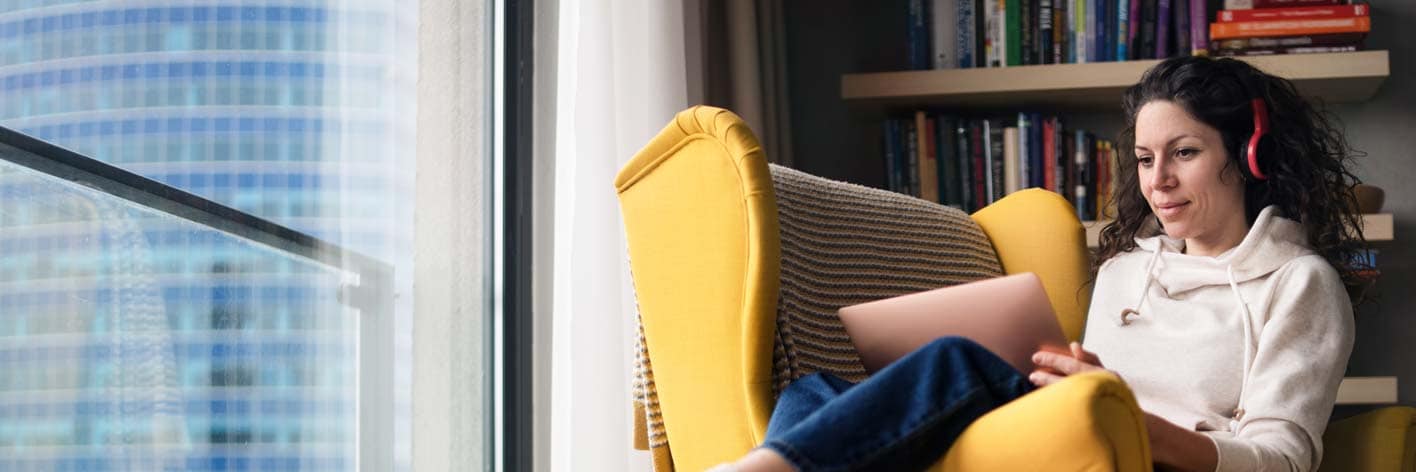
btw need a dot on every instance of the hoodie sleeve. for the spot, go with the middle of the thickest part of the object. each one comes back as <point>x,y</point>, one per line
<point>1300,359</point>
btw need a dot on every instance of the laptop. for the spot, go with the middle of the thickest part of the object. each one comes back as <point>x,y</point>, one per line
<point>1010,316</point>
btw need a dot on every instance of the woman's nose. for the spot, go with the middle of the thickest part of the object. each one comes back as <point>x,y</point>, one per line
<point>1163,176</point>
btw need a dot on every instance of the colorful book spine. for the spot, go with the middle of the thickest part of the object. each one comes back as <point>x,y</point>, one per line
<point>988,168</point>
<point>996,173</point>
<point>1016,25</point>
<point>964,30</point>
<point>977,152</point>
<point>1199,34</point>
<point>1049,174</point>
<point>1025,168</point>
<point>1294,13</point>
<point>1247,29</point>
<point>1133,30</point>
<point>1079,31</point>
<point>1102,41</point>
<point>1252,4</point>
<point>1123,31</point>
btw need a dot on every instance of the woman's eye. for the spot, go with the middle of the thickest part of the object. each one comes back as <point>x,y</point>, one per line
<point>1144,161</point>
<point>1186,152</point>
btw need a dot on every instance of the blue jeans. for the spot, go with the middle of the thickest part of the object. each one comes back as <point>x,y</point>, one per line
<point>902,418</point>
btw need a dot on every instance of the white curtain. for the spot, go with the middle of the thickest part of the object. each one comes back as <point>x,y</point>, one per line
<point>620,77</point>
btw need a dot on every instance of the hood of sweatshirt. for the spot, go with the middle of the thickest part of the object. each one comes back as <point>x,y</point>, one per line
<point>1271,242</point>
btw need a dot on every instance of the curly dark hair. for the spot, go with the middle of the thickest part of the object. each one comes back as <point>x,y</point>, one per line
<point>1306,159</point>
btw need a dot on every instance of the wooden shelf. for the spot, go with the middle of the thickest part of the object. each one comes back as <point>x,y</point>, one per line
<point>1333,77</point>
<point>1366,390</point>
<point>1376,227</point>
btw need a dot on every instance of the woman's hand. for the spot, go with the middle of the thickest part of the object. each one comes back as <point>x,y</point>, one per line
<point>1052,367</point>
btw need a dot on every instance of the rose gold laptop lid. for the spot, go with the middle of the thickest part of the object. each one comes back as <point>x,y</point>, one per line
<point>1010,316</point>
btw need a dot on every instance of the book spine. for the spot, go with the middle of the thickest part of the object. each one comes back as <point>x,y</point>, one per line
<point>1251,4</point>
<point>961,139</point>
<point>918,34</point>
<point>1026,29</point>
<point>1341,39</point>
<point>1059,31</point>
<point>1162,29</point>
<point>1082,191</point>
<point>1133,30</point>
<point>1049,166</point>
<point>1103,33</point>
<point>1063,159</point>
<point>1089,23</point>
<point>1148,12</point>
<point>1064,12</point>
<point>991,41</point>
<point>995,155</point>
<point>977,152</point>
<point>964,29</point>
<point>1010,160</point>
<point>1045,24</point>
<point>980,33</point>
<point>1199,33</point>
<point>1035,149</point>
<point>942,35</point>
<point>1248,29</point>
<point>911,159</point>
<point>891,182</point>
<point>1294,13</point>
<point>1018,27</point>
<point>1079,31</point>
<point>1025,169</point>
<point>1182,27</point>
<point>988,167</point>
<point>1123,32</point>
<point>1290,50</point>
<point>945,149</point>
<point>928,166</point>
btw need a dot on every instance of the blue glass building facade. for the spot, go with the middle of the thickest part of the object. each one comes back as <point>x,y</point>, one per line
<point>298,112</point>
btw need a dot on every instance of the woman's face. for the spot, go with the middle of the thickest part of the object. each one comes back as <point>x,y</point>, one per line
<point>1181,163</point>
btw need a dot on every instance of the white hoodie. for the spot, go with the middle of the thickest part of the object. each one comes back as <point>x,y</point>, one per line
<point>1247,347</point>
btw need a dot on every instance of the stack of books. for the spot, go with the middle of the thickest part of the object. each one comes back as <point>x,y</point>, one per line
<point>1263,27</point>
<point>969,163</point>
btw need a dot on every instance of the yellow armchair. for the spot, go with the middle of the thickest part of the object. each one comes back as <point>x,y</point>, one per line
<point>705,244</point>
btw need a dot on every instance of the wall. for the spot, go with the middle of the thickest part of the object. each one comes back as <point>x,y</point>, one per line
<point>840,141</point>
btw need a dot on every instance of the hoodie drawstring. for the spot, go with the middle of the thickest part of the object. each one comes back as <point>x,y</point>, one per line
<point>1248,350</point>
<point>1150,277</point>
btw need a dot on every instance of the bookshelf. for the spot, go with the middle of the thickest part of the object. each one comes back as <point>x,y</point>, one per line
<point>1331,77</point>
<point>1367,391</point>
<point>1376,227</point>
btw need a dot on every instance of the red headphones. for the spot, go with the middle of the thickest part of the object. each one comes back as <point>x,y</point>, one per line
<point>1260,132</point>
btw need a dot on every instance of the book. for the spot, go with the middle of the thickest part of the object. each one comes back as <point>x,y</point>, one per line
<point>1162,29</point>
<point>1079,31</point>
<point>1123,31</point>
<point>1252,4</point>
<point>964,163</point>
<point>1045,51</point>
<point>918,34</point>
<point>976,155</point>
<point>1082,188</point>
<point>1293,13</point>
<point>991,40</point>
<point>1011,163</point>
<point>1035,149</point>
<point>1247,29</point>
<point>1133,30</point>
<point>1340,39</point>
<point>988,168</point>
<point>1288,50</point>
<point>892,180</point>
<point>1181,27</point>
<point>928,165</point>
<point>1199,34</point>
<point>996,175</point>
<point>980,32</point>
<point>964,34</point>
<point>1021,30</point>
<point>943,38</point>
<point>1146,41</point>
<point>911,147</point>
<point>1049,158</point>
<point>1025,169</point>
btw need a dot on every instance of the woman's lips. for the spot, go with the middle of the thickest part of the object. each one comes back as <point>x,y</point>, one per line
<point>1171,209</point>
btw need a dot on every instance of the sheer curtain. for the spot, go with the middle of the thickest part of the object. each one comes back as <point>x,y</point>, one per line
<point>620,77</point>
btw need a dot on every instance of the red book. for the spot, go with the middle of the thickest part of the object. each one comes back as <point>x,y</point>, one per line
<point>1294,13</point>
<point>1344,39</point>
<point>1250,4</point>
<point>1254,29</point>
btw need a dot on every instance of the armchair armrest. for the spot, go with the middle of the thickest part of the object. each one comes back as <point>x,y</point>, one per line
<point>1086,422</point>
<point>1375,440</point>
<point>1037,231</point>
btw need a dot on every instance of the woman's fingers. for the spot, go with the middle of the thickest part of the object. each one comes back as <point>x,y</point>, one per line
<point>1043,379</point>
<point>1085,355</point>
<point>1062,363</point>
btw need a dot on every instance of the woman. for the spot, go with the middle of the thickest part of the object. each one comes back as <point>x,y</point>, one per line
<point>1219,299</point>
